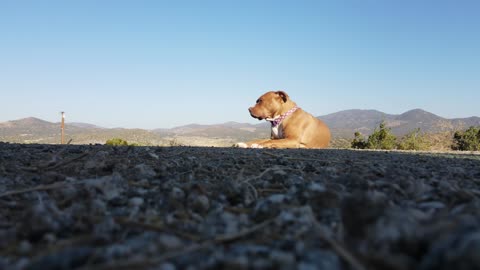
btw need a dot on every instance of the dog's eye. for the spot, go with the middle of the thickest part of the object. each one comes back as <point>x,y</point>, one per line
<point>259,100</point>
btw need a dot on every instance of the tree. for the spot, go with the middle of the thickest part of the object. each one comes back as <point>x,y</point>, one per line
<point>469,140</point>
<point>359,141</point>
<point>414,141</point>
<point>382,138</point>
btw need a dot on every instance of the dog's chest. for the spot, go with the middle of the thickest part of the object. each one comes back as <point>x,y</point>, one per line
<point>277,132</point>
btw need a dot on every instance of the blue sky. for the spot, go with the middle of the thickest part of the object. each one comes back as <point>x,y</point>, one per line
<point>150,64</point>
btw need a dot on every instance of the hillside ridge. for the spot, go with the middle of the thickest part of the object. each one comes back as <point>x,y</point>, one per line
<point>343,125</point>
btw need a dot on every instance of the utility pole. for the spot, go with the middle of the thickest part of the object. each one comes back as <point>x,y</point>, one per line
<point>63,128</point>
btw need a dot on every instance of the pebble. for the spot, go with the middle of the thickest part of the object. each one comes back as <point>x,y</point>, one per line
<point>277,198</point>
<point>98,206</point>
<point>316,187</point>
<point>22,263</point>
<point>199,203</point>
<point>308,266</point>
<point>431,205</point>
<point>247,209</point>
<point>50,238</point>
<point>322,259</point>
<point>68,258</point>
<point>145,171</point>
<point>165,266</point>
<point>24,247</point>
<point>170,242</point>
<point>235,262</point>
<point>260,263</point>
<point>282,260</point>
<point>177,194</point>
<point>135,202</point>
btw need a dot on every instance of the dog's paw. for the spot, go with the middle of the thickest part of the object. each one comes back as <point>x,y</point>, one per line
<point>256,146</point>
<point>240,145</point>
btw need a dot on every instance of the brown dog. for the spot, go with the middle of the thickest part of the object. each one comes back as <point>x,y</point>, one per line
<point>292,127</point>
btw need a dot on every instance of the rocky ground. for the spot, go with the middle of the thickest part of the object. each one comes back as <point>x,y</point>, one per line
<point>99,207</point>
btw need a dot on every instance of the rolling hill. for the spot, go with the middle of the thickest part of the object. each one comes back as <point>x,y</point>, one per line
<point>343,124</point>
<point>346,123</point>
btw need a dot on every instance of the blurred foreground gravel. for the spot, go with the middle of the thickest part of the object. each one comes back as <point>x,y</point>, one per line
<point>100,207</point>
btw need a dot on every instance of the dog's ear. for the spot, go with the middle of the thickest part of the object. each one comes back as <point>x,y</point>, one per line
<point>283,95</point>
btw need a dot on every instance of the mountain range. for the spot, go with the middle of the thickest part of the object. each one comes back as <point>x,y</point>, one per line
<point>343,125</point>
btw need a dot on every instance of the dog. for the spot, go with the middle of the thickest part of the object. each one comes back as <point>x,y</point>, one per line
<point>292,127</point>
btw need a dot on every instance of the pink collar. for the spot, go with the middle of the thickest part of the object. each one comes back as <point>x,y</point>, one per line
<point>278,120</point>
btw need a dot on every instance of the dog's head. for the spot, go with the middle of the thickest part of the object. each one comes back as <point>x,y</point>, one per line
<point>269,105</point>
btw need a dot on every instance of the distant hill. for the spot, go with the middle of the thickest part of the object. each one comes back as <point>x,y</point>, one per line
<point>230,130</point>
<point>346,123</point>
<point>84,125</point>
<point>34,130</point>
<point>464,123</point>
<point>343,125</point>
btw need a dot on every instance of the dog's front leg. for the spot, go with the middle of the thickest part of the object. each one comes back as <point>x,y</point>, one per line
<point>282,143</point>
<point>252,144</point>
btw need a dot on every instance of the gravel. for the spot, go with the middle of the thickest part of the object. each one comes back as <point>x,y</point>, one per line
<point>102,207</point>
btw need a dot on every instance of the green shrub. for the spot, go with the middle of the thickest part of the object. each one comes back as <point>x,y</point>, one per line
<point>382,138</point>
<point>117,142</point>
<point>359,141</point>
<point>414,140</point>
<point>469,140</point>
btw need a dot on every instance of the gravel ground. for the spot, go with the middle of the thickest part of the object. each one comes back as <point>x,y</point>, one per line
<point>100,207</point>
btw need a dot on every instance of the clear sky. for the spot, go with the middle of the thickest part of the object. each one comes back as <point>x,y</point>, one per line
<point>152,64</point>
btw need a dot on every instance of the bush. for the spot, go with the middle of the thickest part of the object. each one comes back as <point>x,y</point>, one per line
<point>382,138</point>
<point>117,142</point>
<point>414,141</point>
<point>359,141</point>
<point>468,140</point>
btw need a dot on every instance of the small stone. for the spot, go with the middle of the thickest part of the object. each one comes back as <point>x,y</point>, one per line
<point>105,228</point>
<point>177,194</point>
<point>24,247</point>
<point>236,262</point>
<point>323,259</point>
<point>45,217</point>
<point>277,198</point>
<point>199,203</point>
<point>98,206</point>
<point>68,258</point>
<point>135,202</point>
<point>117,251</point>
<point>153,155</point>
<point>166,266</point>
<point>283,260</point>
<point>456,251</point>
<point>306,266</point>
<point>50,238</point>
<point>279,175</point>
<point>170,242</point>
<point>90,164</point>
<point>111,186</point>
<point>262,264</point>
<point>22,263</point>
<point>316,187</point>
<point>432,205</point>
<point>145,171</point>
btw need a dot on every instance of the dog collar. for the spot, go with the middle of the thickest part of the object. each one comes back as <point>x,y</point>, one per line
<point>277,120</point>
